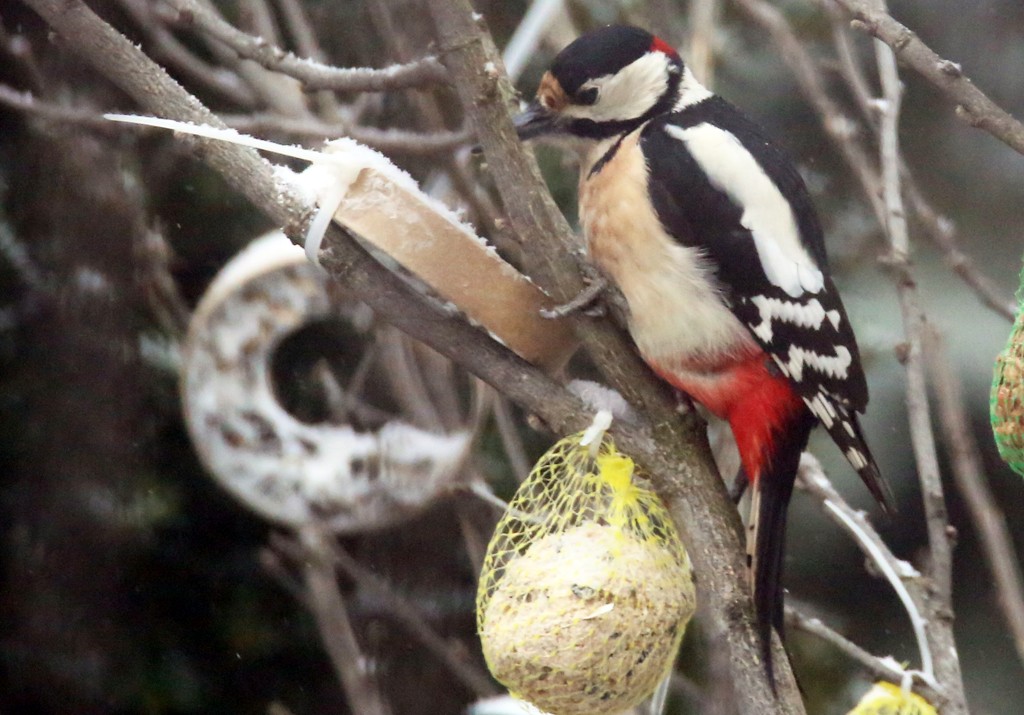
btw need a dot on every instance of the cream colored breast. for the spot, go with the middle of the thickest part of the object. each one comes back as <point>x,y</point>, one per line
<point>677,313</point>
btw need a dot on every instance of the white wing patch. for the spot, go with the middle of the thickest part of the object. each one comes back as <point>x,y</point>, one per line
<point>856,458</point>
<point>837,365</point>
<point>804,315</point>
<point>766,212</point>
<point>822,408</point>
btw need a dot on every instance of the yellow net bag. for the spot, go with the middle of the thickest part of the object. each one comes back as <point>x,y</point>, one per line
<point>586,589</point>
<point>889,699</point>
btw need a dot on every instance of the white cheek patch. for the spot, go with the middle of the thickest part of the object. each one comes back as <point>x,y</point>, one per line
<point>627,94</point>
<point>809,315</point>
<point>766,212</point>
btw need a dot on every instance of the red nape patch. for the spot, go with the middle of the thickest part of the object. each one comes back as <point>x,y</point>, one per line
<point>659,45</point>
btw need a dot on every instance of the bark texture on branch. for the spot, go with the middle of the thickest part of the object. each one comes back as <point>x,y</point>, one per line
<point>684,474</point>
<point>973,105</point>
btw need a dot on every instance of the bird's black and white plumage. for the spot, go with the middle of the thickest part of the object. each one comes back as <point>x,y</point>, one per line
<point>708,229</point>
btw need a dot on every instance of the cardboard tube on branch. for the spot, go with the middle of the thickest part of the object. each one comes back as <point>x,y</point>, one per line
<point>367,194</point>
<point>384,206</point>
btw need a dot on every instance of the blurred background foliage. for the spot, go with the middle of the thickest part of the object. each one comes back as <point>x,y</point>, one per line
<point>132,584</point>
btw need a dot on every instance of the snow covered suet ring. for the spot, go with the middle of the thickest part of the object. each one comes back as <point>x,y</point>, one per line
<point>292,472</point>
<point>586,589</point>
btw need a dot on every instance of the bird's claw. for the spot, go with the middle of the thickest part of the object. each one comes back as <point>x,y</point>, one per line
<point>585,302</point>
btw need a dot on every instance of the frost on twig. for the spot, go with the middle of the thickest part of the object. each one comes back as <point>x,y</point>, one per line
<point>313,75</point>
<point>895,570</point>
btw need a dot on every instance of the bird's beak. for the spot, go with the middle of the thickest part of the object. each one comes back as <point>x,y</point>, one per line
<point>534,121</point>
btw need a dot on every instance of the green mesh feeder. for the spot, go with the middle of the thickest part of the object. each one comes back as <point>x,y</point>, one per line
<point>1006,402</point>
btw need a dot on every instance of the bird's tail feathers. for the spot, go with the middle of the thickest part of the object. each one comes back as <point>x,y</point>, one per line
<point>846,433</point>
<point>772,486</point>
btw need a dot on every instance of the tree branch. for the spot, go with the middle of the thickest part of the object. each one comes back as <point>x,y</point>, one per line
<point>987,517</point>
<point>905,580</point>
<point>939,607</point>
<point>313,75</point>
<point>414,621</point>
<point>30,104</point>
<point>972,105</point>
<point>879,668</point>
<point>168,49</point>
<point>336,632</point>
<point>843,131</point>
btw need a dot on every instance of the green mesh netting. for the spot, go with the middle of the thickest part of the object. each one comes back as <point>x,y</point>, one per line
<point>1006,403</point>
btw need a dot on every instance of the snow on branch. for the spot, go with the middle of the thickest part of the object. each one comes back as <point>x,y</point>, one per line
<point>426,71</point>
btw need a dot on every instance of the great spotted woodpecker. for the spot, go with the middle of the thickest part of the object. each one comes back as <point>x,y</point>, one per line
<point>708,230</point>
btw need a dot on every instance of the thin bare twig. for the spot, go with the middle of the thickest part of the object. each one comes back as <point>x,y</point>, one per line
<point>313,75</point>
<point>153,257</point>
<point>406,383</point>
<point>511,440</point>
<point>943,234</point>
<point>336,633</point>
<point>273,562</point>
<point>700,52</point>
<point>987,517</point>
<point>406,613</point>
<point>878,668</point>
<point>300,28</point>
<point>972,105</point>
<point>32,105</point>
<point>940,229</point>
<point>843,131</point>
<point>430,114</point>
<point>840,129</point>
<point>167,48</point>
<point>904,579</point>
<point>850,67</point>
<point>389,141</point>
<point>939,608</point>
<point>415,622</point>
<point>256,18</point>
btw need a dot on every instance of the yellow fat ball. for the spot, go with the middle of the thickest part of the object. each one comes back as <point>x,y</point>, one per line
<point>888,699</point>
<point>572,630</point>
<point>586,589</point>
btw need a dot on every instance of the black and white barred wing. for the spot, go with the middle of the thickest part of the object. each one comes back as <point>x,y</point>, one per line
<point>719,185</point>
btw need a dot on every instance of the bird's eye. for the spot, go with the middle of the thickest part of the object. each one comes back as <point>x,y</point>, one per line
<point>586,96</point>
